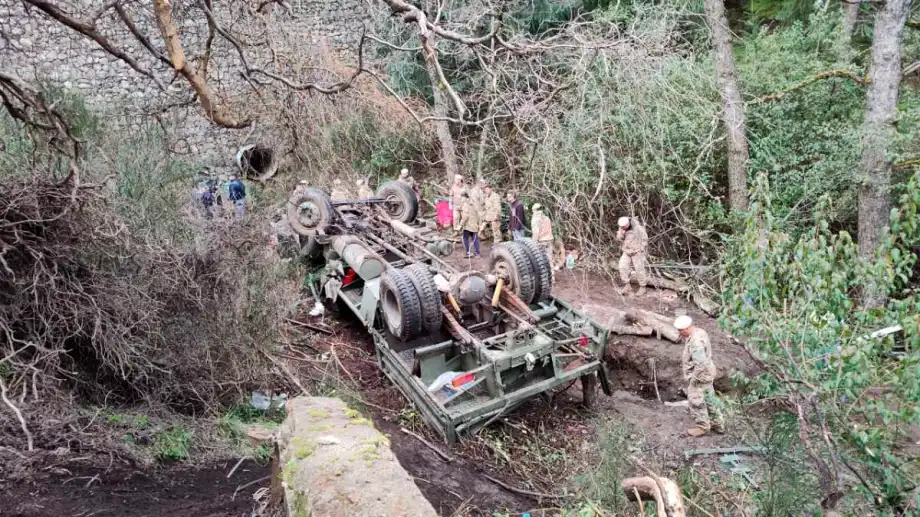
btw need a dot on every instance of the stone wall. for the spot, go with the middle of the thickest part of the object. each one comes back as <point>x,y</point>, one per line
<point>39,50</point>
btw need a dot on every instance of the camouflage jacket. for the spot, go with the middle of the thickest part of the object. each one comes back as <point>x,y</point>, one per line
<point>469,216</point>
<point>456,195</point>
<point>477,196</point>
<point>541,227</point>
<point>697,358</point>
<point>492,208</point>
<point>634,240</point>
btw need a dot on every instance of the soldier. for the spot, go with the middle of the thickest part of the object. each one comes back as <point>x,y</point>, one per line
<point>338,191</point>
<point>478,195</point>
<point>492,213</point>
<point>364,191</point>
<point>469,221</point>
<point>456,199</point>
<point>406,178</point>
<point>542,229</point>
<point>516,218</point>
<point>635,247</point>
<point>700,372</point>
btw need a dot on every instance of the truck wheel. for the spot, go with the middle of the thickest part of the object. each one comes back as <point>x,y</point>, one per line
<point>402,311</point>
<point>512,264</point>
<point>542,269</point>
<point>428,295</point>
<point>401,205</point>
<point>310,212</point>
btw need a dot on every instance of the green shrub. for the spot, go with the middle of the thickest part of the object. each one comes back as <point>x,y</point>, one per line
<point>173,444</point>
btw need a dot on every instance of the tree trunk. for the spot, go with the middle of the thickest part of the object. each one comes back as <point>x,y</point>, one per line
<point>848,26</point>
<point>441,126</point>
<point>878,132</point>
<point>733,116</point>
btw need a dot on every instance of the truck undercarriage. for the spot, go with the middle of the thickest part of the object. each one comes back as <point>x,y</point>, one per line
<point>464,346</point>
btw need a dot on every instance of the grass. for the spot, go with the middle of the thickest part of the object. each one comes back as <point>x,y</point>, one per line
<point>173,444</point>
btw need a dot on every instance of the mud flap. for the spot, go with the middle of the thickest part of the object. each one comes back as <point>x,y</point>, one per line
<point>605,381</point>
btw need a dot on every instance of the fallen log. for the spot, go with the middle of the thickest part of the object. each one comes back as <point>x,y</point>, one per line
<point>704,303</point>
<point>660,324</point>
<point>631,330</point>
<point>670,504</point>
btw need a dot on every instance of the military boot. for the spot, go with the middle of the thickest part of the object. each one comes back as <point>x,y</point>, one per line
<point>697,431</point>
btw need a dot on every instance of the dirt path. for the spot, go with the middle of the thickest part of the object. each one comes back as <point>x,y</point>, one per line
<point>123,492</point>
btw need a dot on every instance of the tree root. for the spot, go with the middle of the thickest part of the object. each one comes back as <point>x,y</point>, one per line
<point>15,410</point>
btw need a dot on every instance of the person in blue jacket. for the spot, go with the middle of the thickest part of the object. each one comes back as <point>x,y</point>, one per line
<point>236,192</point>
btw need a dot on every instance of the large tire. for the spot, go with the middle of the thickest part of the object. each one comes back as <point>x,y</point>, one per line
<point>402,205</point>
<point>512,263</point>
<point>428,295</point>
<point>320,214</point>
<point>402,310</point>
<point>542,268</point>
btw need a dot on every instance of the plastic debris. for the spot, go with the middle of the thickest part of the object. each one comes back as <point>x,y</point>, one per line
<point>318,310</point>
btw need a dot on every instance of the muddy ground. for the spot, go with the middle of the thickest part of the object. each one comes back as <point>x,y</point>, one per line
<point>78,487</point>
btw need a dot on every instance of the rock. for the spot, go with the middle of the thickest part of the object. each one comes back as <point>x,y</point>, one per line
<point>333,462</point>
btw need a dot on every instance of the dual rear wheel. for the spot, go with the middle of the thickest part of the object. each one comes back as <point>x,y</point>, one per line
<point>525,269</point>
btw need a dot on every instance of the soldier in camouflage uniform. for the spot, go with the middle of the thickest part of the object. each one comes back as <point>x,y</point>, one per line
<point>634,243</point>
<point>492,213</point>
<point>700,372</point>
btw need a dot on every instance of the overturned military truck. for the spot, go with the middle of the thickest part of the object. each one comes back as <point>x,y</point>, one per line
<point>465,347</point>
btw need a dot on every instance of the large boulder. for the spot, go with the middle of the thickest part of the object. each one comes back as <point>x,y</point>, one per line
<point>334,462</point>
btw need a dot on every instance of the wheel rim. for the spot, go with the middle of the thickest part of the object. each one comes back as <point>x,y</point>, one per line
<point>391,310</point>
<point>394,207</point>
<point>308,214</point>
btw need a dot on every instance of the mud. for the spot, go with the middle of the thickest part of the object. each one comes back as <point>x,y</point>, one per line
<point>84,491</point>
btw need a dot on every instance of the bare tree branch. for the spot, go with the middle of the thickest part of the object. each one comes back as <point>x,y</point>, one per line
<point>89,30</point>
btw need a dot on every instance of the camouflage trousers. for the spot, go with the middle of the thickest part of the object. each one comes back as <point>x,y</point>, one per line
<point>705,407</point>
<point>495,227</point>
<point>635,262</point>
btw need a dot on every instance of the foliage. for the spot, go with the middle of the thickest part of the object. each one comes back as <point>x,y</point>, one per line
<point>173,444</point>
<point>792,299</point>
<point>117,289</point>
<point>602,484</point>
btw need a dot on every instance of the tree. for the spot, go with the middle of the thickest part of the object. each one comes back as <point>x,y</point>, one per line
<point>733,108</point>
<point>878,133</point>
<point>194,70</point>
<point>847,27</point>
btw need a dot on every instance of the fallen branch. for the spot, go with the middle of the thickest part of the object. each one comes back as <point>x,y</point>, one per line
<point>236,466</point>
<point>287,372</point>
<point>247,485</point>
<point>444,456</point>
<point>845,74</point>
<point>521,490</point>
<point>647,488</point>
<point>656,322</point>
<point>15,410</point>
